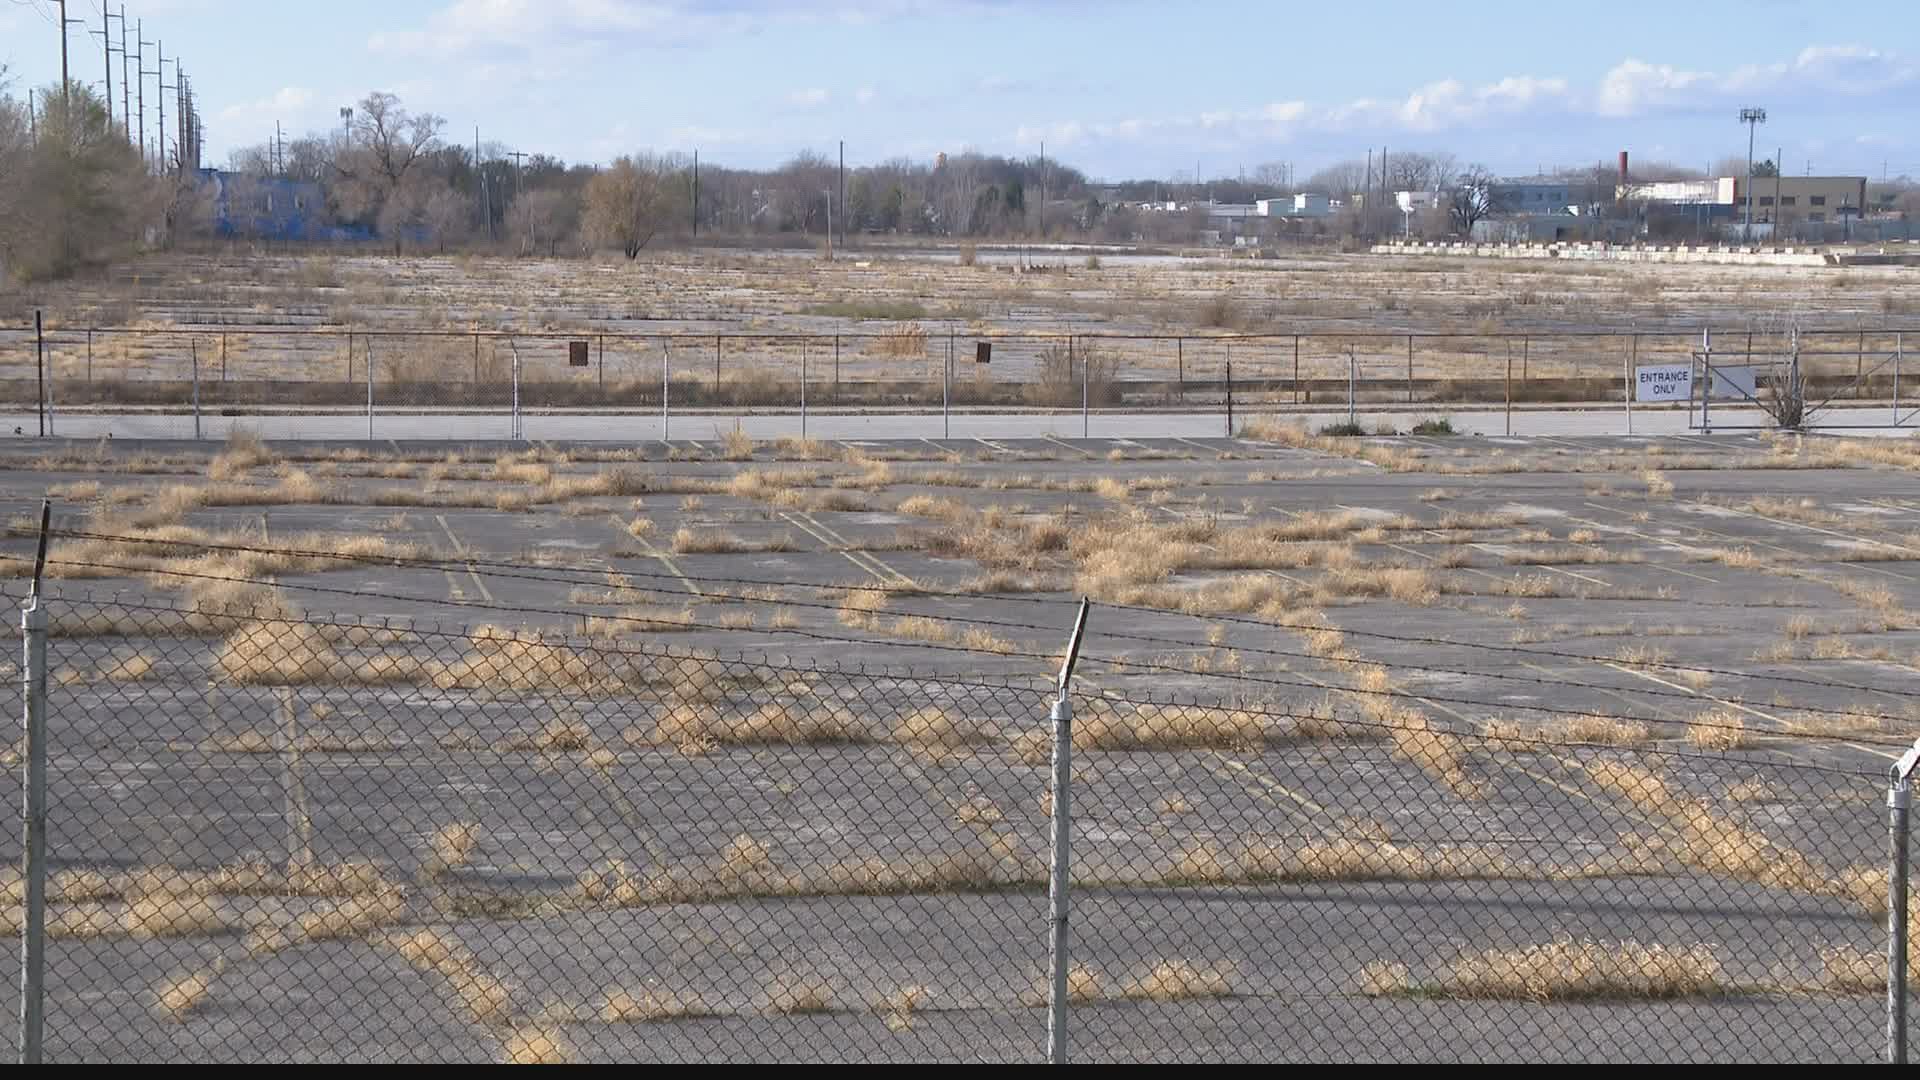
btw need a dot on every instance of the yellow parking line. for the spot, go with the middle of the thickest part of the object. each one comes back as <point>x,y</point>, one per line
<point>461,550</point>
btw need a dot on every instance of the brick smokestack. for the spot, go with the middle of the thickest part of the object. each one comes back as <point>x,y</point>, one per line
<point>1623,167</point>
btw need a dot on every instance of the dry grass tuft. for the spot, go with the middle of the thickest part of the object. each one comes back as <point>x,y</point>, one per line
<point>1384,978</point>
<point>158,915</point>
<point>535,1045</point>
<point>937,734</point>
<point>1658,486</point>
<point>178,996</point>
<point>1169,727</point>
<point>280,654</point>
<point>1179,980</point>
<point>353,917</point>
<point>1569,970</point>
<point>793,993</point>
<point>701,727</point>
<point>735,445</point>
<point>651,1006</point>
<point>1849,969</point>
<point>1721,729</point>
<point>1083,987</point>
<point>898,1007</point>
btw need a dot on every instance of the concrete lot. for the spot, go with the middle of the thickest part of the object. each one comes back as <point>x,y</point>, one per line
<point>1560,581</point>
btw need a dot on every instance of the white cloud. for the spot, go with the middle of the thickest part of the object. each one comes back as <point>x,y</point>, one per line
<point>810,98</point>
<point>864,95</point>
<point>1631,88</point>
<point>283,105</point>
<point>1634,87</point>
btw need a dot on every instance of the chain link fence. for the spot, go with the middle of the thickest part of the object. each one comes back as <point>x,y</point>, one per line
<point>394,378</point>
<point>274,836</point>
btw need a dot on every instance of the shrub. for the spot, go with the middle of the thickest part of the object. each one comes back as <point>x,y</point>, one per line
<point>1441,426</point>
<point>1347,428</point>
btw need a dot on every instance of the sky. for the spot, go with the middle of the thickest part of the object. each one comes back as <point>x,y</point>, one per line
<point>1117,88</point>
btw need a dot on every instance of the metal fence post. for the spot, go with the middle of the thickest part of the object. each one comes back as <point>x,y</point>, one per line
<point>946,391</point>
<point>1633,366</point>
<point>716,367</point>
<point>40,366</point>
<point>1180,358</point>
<point>223,356</point>
<point>33,827</point>
<point>514,421</point>
<point>1086,381</point>
<point>600,341</point>
<point>1409,369</point>
<point>1626,384</point>
<point>1229,398</point>
<point>1059,870</point>
<point>803,389</point>
<point>1896,380</point>
<point>1509,387</point>
<point>1296,369</point>
<point>193,347</point>
<point>1899,792</point>
<point>89,355</point>
<point>1353,389</point>
<point>666,391</point>
<point>369,387</point>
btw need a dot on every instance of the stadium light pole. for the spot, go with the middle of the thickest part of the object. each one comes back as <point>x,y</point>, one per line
<point>1753,118</point>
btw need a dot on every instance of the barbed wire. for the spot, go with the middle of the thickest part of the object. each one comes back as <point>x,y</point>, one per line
<point>1421,698</point>
<point>508,570</point>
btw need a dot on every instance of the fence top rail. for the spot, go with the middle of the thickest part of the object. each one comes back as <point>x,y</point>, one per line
<point>258,330</point>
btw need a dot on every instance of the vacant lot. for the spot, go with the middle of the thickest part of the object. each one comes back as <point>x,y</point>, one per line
<point>878,328</point>
<point>723,749</point>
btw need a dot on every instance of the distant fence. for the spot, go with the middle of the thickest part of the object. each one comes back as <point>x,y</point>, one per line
<point>909,367</point>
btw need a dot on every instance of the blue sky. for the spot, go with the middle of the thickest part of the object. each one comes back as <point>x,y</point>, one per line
<point>1119,88</point>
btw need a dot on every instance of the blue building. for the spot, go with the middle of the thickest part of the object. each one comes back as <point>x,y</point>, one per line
<point>268,208</point>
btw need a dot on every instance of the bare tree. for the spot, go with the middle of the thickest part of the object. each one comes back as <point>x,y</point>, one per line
<point>627,203</point>
<point>1471,197</point>
<point>381,156</point>
<point>540,217</point>
<point>446,215</point>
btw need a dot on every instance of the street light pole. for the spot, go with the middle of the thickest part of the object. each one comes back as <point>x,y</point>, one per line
<point>1753,118</point>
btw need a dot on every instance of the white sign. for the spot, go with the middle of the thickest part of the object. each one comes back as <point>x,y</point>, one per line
<point>1733,383</point>
<point>1663,382</point>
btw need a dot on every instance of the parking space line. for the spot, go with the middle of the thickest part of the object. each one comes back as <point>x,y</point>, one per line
<point>867,563</point>
<point>1069,446</point>
<point>1268,783</point>
<point>461,550</point>
<point>834,536</point>
<point>664,559</point>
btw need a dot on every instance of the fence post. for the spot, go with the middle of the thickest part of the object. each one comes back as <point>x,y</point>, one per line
<point>1229,397</point>
<point>1059,870</point>
<point>1859,365</point>
<point>1896,380</point>
<point>946,390</point>
<point>1086,381</point>
<point>1180,357</point>
<point>716,367</point>
<point>1353,389</point>
<point>350,358</point>
<point>33,936</point>
<point>836,369</point>
<point>40,366</point>
<point>476,364</point>
<point>1296,369</point>
<point>89,355</point>
<point>803,388</point>
<point>1626,387</point>
<point>600,348</point>
<point>1409,369</point>
<point>1899,792</point>
<point>514,421</point>
<point>223,356</point>
<point>193,348</point>
<point>666,392</point>
<point>1509,387</point>
<point>369,387</point>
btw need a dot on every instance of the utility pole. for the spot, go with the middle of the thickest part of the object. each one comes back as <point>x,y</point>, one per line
<point>140,78</point>
<point>279,152</point>
<point>1043,188</point>
<point>160,99</point>
<point>126,93</point>
<point>696,193</point>
<point>843,193</point>
<point>516,156</point>
<point>106,56</point>
<point>66,95</point>
<point>1777,159</point>
<point>1753,118</point>
<point>486,198</point>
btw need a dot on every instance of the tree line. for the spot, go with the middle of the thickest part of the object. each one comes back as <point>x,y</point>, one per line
<point>74,193</point>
